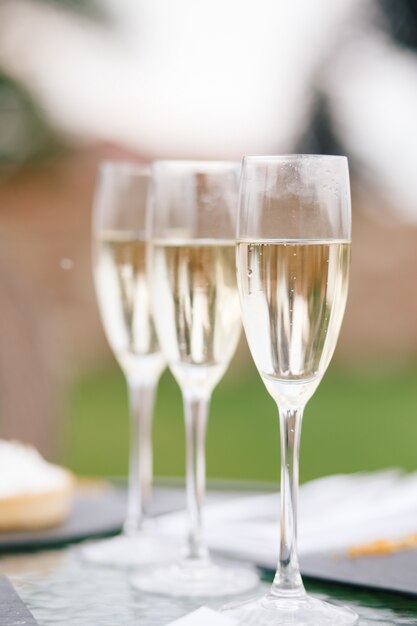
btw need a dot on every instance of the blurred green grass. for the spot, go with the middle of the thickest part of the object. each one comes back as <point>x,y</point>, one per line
<point>359,419</point>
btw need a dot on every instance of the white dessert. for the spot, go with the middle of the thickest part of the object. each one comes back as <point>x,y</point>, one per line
<point>33,493</point>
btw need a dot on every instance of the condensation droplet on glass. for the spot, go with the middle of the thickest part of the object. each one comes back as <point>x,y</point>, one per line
<point>66,264</point>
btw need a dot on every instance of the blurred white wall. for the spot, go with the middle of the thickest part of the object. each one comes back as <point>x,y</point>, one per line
<point>180,77</point>
<point>187,78</point>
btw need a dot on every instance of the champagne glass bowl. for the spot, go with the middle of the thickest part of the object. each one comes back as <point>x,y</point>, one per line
<point>293,248</point>
<point>191,228</point>
<point>119,263</point>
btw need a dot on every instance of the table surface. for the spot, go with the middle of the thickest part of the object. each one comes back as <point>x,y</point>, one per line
<point>61,589</point>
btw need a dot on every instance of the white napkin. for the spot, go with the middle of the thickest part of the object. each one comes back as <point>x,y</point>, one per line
<point>335,513</point>
<point>204,617</point>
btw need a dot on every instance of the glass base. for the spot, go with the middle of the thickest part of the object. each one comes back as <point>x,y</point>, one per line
<point>129,551</point>
<point>305,611</point>
<point>196,578</point>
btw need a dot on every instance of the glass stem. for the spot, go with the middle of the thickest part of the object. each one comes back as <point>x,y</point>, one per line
<point>196,412</point>
<point>287,582</point>
<point>141,404</point>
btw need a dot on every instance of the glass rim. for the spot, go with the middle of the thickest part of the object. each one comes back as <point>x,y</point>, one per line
<point>292,157</point>
<point>123,166</point>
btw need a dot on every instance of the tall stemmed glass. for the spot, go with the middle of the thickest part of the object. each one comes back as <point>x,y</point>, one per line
<point>119,255</point>
<point>293,247</point>
<point>196,309</point>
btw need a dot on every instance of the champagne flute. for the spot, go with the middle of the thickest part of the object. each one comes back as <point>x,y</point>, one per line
<point>293,250</point>
<point>196,309</point>
<point>119,255</point>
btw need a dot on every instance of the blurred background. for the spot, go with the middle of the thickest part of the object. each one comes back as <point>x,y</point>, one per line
<point>81,81</point>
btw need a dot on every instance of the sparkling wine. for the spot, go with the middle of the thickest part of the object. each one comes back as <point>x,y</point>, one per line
<point>293,296</point>
<point>124,301</point>
<point>196,307</point>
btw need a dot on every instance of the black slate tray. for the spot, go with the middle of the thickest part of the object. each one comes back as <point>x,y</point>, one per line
<point>12,610</point>
<point>389,572</point>
<point>98,511</point>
